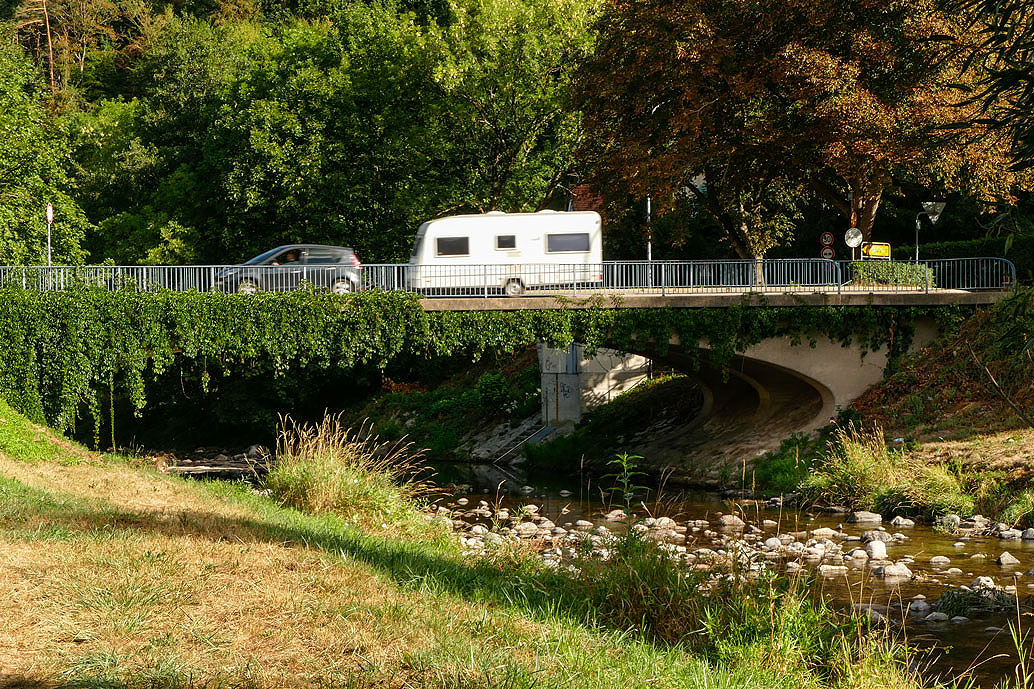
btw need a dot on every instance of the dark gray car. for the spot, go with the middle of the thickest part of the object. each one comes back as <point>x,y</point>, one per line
<point>287,267</point>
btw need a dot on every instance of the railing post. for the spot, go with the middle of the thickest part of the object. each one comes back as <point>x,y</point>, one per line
<point>485,280</point>
<point>574,279</point>
<point>926,275</point>
<point>664,279</point>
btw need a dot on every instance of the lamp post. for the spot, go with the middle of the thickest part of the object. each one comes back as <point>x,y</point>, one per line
<point>50,223</point>
<point>932,210</point>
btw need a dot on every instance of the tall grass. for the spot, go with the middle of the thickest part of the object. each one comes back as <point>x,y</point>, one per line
<point>859,470</point>
<point>328,467</point>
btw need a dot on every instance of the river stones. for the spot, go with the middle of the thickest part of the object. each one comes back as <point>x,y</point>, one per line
<point>583,524</point>
<point>936,617</point>
<point>983,583</point>
<point>832,570</point>
<point>877,535</point>
<point>858,554</point>
<point>919,608</point>
<point>876,550</point>
<point>950,522</point>
<point>1027,535</point>
<point>863,517</point>
<point>730,521</point>
<point>902,522</point>
<point>1007,560</point>
<point>824,532</point>
<point>773,543</point>
<point>893,571</point>
<point>615,516</point>
<point>940,561</point>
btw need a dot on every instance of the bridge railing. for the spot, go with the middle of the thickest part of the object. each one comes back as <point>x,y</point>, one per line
<point>625,277</point>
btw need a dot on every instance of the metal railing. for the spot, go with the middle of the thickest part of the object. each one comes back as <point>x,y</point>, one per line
<point>617,277</point>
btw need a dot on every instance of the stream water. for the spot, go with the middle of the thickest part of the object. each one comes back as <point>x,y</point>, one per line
<point>980,647</point>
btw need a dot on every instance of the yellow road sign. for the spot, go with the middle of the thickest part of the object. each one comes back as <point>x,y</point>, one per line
<point>876,250</point>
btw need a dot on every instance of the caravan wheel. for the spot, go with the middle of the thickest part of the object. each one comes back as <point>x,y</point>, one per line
<point>514,288</point>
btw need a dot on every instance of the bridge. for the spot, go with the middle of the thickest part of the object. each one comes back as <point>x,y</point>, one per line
<point>614,284</point>
<point>775,383</point>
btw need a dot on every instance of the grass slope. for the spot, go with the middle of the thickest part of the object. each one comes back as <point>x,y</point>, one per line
<point>118,576</point>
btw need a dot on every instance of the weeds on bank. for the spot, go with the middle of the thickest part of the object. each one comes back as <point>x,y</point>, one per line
<point>327,467</point>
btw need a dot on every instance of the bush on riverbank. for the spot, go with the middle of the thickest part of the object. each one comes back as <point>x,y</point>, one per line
<point>327,467</point>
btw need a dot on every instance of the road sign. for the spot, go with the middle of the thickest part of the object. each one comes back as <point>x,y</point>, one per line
<point>827,253</point>
<point>853,238</point>
<point>50,212</point>
<point>827,239</point>
<point>879,250</point>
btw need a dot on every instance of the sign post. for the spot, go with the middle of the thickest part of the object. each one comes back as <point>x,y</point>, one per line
<point>853,238</point>
<point>50,224</point>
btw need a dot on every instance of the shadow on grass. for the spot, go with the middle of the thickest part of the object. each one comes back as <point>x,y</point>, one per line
<point>31,514</point>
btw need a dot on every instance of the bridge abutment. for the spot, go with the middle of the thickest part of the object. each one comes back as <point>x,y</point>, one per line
<point>573,381</point>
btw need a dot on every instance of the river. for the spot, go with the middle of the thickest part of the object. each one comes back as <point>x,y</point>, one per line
<point>980,647</point>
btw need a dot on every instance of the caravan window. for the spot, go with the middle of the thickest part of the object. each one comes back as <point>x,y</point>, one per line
<point>575,241</point>
<point>453,246</point>
<point>506,241</point>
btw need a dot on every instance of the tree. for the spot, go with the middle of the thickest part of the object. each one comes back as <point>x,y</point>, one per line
<point>347,131</point>
<point>1007,56</point>
<point>504,71</point>
<point>767,100</point>
<point>32,174</point>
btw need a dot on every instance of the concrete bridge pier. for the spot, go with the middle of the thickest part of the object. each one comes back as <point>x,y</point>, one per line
<point>573,382</point>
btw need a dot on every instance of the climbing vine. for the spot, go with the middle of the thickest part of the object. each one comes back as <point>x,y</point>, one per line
<point>66,352</point>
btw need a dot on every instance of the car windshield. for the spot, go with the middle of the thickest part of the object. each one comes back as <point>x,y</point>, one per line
<point>262,258</point>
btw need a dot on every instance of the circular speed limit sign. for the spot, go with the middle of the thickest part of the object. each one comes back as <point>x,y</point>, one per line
<point>827,253</point>
<point>827,239</point>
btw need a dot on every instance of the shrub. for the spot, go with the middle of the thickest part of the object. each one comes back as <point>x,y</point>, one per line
<point>891,273</point>
<point>326,467</point>
<point>783,470</point>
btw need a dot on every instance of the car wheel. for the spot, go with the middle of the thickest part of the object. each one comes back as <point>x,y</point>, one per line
<point>514,288</point>
<point>247,287</point>
<point>343,286</point>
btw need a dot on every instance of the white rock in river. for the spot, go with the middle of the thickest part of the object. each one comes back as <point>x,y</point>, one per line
<point>583,524</point>
<point>730,521</point>
<point>959,619</point>
<point>832,570</point>
<point>982,583</point>
<point>953,571</point>
<point>526,529</point>
<point>937,617</point>
<point>940,561</point>
<point>1007,560</point>
<point>877,550</point>
<point>893,571</point>
<point>902,522</point>
<point>863,517</point>
<point>773,543</point>
<point>824,532</point>
<point>919,608</point>
<point>478,530</point>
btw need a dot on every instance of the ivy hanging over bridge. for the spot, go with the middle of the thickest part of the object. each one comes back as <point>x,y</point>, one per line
<point>64,353</point>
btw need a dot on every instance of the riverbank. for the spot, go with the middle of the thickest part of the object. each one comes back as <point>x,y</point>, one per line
<point>123,577</point>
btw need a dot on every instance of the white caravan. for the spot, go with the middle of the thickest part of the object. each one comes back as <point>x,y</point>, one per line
<point>507,252</point>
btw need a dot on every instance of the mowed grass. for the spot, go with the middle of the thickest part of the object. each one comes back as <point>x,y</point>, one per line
<point>118,576</point>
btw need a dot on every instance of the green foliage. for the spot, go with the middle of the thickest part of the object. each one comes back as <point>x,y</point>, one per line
<point>783,470</point>
<point>625,473</point>
<point>892,273</point>
<point>67,351</point>
<point>32,160</point>
<point>329,468</point>
<point>1017,248</point>
<point>860,471</point>
<point>351,129</point>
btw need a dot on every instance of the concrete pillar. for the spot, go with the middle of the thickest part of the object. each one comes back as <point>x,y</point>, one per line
<point>573,382</point>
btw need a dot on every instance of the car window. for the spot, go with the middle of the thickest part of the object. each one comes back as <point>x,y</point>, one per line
<point>324,256</point>
<point>287,257</point>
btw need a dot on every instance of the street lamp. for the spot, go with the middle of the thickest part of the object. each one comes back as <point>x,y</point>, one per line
<point>932,210</point>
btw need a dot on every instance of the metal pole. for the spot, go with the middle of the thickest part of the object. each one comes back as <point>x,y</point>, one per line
<point>918,216</point>
<point>49,225</point>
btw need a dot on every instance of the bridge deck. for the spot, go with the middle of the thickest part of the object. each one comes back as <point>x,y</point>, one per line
<point>611,299</point>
